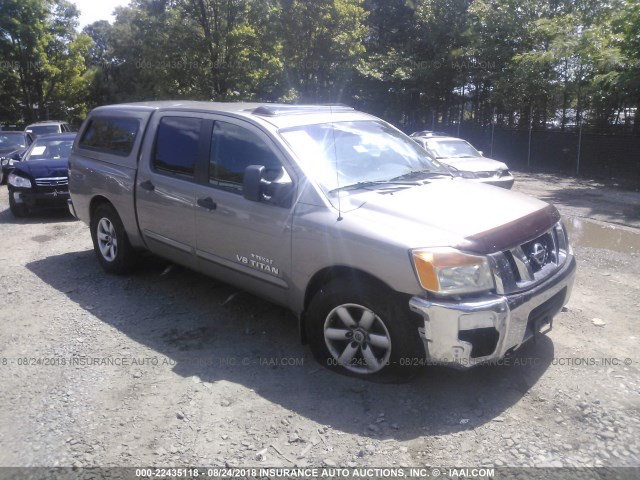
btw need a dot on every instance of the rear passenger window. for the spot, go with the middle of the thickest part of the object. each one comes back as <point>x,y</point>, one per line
<point>177,145</point>
<point>235,148</point>
<point>110,135</point>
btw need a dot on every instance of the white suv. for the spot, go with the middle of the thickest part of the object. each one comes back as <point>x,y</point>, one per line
<point>464,159</point>
<point>49,126</point>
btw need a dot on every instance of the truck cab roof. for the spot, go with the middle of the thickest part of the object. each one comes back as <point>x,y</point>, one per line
<point>278,115</point>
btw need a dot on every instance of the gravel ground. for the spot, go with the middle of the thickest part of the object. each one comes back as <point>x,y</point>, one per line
<point>167,367</point>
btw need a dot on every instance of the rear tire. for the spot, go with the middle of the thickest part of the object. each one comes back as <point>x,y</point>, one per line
<point>19,210</point>
<point>359,329</point>
<point>110,241</point>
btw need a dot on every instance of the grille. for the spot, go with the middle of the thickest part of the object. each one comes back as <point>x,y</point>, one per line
<point>531,262</point>
<point>52,181</point>
<point>487,174</point>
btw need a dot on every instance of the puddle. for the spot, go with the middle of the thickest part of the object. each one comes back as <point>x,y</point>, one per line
<point>41,238</point>
<point>585,233</point>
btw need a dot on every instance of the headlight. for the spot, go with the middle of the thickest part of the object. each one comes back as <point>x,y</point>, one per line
<point>18,181</point>
<point>464,174</point>
<point>447,271</point>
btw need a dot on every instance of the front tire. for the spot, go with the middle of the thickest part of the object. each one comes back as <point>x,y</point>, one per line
<point>19,210</point>
<point>110,241</point>
<point>362,330</point>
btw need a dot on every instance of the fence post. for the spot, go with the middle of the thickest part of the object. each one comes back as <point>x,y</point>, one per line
<point>530,129</point>
<point>493,127</point>
<point>579,146</point>
<point>461,112</point>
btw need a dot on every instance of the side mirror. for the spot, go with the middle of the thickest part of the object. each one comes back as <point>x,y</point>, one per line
<point>15,156</point>
<point>257,189</point>
<point>253,183</point>
<point>480,152</point>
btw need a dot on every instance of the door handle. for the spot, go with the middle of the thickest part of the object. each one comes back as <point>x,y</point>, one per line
<point>147,185</point>
<point>207,203</point>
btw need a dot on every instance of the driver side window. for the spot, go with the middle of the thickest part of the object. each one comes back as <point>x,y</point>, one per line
<point>233,149</point>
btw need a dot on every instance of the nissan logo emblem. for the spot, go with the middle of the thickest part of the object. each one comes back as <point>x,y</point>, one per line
<point>539,254</point>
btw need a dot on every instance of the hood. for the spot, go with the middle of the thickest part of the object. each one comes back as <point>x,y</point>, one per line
<point>452,212</point>
<point>43,168</point>
<point>474,164</point>
<point>6,151</point>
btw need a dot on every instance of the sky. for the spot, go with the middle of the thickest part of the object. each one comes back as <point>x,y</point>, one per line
<point>93,10</point>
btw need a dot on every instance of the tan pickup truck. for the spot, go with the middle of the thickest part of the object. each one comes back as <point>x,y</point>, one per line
<point>388,260</point>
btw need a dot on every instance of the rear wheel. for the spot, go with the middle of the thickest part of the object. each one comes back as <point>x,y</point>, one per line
<point>110,241</point>
<point>364,331</point>
<point>18,209</point>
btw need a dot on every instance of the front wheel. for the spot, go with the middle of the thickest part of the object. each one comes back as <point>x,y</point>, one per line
<point>110,241</point>
<point>358,329</point>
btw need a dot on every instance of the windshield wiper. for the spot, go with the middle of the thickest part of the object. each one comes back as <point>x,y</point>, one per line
<point>421,173</point>
<point>393,181</point>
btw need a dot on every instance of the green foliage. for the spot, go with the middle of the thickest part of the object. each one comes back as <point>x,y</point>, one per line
<point>414,62</point>
<point>44,59</point>
<point>322,45</point>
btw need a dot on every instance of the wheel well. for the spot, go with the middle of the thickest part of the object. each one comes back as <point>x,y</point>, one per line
<point>356,277</point>
<point>95,203</point>
<point>332,273</point>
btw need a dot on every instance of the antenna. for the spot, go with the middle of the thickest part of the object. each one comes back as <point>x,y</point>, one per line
<point>335,154</point>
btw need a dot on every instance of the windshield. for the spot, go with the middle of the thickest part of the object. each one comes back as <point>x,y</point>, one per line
<point>42,129</point>
<point>12,141</point>
<point>452,149</point>
<point>343,154</point>
<point>49,149</point>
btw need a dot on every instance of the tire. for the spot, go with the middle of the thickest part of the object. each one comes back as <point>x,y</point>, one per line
<point>110,242</point>
<point>19,210</point>
<point>361,330</point>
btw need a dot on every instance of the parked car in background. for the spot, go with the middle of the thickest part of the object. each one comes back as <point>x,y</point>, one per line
<point>12,147</point>
<point>464,160</point>
<point>49,126</point>
<point>41,179</point>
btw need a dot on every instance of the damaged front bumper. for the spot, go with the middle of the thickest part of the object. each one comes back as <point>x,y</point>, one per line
<point>464,334</point>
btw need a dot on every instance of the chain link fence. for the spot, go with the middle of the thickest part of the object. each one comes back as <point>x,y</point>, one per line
<point>575,152</point>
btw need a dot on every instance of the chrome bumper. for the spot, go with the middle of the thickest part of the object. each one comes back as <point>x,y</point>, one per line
<point>470,333</point>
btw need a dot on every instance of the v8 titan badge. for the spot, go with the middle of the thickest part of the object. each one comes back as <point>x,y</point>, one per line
<point>259,263</point>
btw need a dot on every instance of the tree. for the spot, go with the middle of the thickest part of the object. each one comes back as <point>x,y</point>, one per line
<point>47,55</point>
<point>322,47</point>
<point>241,44</point>
<point>626,24</point>
<point>198,49</point>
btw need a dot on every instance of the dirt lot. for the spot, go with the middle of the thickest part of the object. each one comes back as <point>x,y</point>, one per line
<point>166,367</point>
